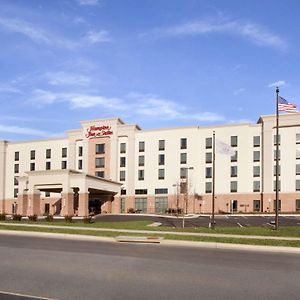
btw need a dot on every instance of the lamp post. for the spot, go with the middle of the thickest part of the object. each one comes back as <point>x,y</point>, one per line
<point>177,185</point>
<point>186,195</point>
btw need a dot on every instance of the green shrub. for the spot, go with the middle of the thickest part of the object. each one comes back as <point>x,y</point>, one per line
<point>68,219</point>
<point>87,220</point>
<point>49,218</point>
<point>17,217</point>
<point>2,217</point>
<point>33,218</point>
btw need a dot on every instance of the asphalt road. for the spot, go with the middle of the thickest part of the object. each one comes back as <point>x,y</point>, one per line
<point>66,269</point>
<point>203,221</point>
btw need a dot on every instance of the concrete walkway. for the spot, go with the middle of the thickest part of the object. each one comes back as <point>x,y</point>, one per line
<point>158,232</point>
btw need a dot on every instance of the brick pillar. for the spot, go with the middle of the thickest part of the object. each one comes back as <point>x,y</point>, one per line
<point>22,204</point>
<point>67,207</point>
<point>83,205</point>
<point>34,203</point>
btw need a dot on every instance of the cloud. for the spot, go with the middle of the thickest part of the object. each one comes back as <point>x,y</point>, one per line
<point>7,88</point>
<point>277,83</point>
<point>238,91</point>
<point>64,78</point>
<point>34,33</point>
<point>98,36</point>
<point>23,130</point>
<point>253,32</point>
<point>77,100</point>
<point>88,2</point>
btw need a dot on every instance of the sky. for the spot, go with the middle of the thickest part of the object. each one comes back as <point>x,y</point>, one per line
<point>155,63</point>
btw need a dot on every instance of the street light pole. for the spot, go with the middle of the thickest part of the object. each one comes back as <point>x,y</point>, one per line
<point>186,195</point>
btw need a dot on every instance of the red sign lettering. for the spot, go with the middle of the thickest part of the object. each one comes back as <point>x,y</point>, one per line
<point>95,131</point>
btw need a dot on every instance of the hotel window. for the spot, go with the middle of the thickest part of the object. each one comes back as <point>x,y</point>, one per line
<point>80,151</point>
<point>256,155</point>
<point>100,148</point>
<point>297,185</point>
<point>123,192</point>
<point>161,159</point>
<point>161,191</point>
<point>64,164</point>
<point>279,170</point>
<point>32,166</point>
<point>275,140</point>
<point>99,174</point>
<point>16,182</point>
<point>122,161</point>
<point>161,174</point>
<point>297,138</point>
<point>256,186</point>
<point>208,143</point>
<point>141,160</point>
<point>208,172</point>
<point>123,148</point>
<point>161,145</point>
<point>256,141</point>
<point>298,153</point>
<point>233,171</point>
<point>256,171</point>
<point>297,204</point>
<point>183,173</point>
<point>16,168</point>
<point>32,154</point>
<point>275,154</point>
<point>100,162</point>
<point>183,158</point>
<point>233,186</point>
<point>183,143</point>
<point>17,156</point>
<point>141,174</point>
<point>140,205</point>
<point>64,152</point>
<point>274,185</point>
<point>298,169</point>
<point>234,141</point>
<point>80,164</point>
<point>256,205</point>
<point>141,192</point>
<point>16,193</point>
<point>279,206</point>
<point>48,165</point>
<point>47,194</point>
<point>141,146</point>
<point>234,157</point>
<point>122,175</point>
<point>208,187</point>
<point>48,153</point>
<point>208,157</point>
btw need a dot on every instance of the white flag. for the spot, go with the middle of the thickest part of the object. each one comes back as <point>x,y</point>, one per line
<point>224,148</point>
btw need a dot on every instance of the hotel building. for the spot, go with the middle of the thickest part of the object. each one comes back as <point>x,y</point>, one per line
<point>108,166</point>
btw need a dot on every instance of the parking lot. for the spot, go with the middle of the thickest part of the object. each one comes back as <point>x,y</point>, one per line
<point>203,221</point>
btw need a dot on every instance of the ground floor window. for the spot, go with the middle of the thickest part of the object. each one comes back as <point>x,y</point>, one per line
<point>141,205</point>
<point>122,205</point>
<point>297,204</point>
<point>47,208</point>
<point>279,205</point>
<point>161,205</point>
<point>234,206</point>
<point>256,205</point>
<point>14,208</point>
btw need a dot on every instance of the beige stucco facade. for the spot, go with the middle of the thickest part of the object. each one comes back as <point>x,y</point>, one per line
<point>143,169</point>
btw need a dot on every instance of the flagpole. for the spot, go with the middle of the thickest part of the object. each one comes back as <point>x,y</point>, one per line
<point>213,183</point>
<point>277,162</point>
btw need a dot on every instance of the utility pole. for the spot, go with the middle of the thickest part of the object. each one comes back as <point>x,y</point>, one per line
<point>277,163</point>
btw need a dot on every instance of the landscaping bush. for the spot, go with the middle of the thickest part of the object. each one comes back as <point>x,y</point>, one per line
<point>2,217</point>
<point>33,218</point>
<point>49,218</point>
<point>68,219</point>
<point>17,217</point>
<point>87,220</point>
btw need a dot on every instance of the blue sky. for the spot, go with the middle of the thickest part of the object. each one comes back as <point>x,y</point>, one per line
<point>157,63</point>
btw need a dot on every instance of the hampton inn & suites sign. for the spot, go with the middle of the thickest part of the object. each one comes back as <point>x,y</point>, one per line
<point>96,131</point>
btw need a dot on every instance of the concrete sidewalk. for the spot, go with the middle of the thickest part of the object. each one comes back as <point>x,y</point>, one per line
<point>157,232</point>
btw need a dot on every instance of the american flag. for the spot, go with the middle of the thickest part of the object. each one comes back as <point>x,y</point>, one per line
<point>283,105</point>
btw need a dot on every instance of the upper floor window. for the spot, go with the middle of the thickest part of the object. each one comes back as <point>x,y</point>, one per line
<point>122,147</point>
<point>297,138</point>
<point>32,154</point>
<point>183,173</point>
<point>141,174</point>
<point>275,139</point>
<point>297,185</point>
<point>234,141</point>
<point>256,155</point>
<point>141,160</point>
<point>256,141</point>
<point>234,157</point>
<point>99,174</point>
<point>64,164</point>
<point>208,143</point>
<point>122,176</point>
<point>16,168</point>
<point>48,153</point>
<point>100,162</point>
<point>100,148</point>
<point>298,169</point>
<point>64,152</point>
<point>233,186</point>
<point>17,156</point>
<point>161,145</point>
<point>208,172</point>
<point>48,165</point>
<point>161,191</point>
<point>122,161</point>
<point>161,174</point>
<point>141,146</point>
<point>183,143</point>
<point>234,171</point>
<point>80,164</point>
<point>208,157</point>
<point>256,171</point>
<point>161,159</point>
<point>298,153</point>
<point>80,151</point>
<point>32,166</point>
<point>183,158</point>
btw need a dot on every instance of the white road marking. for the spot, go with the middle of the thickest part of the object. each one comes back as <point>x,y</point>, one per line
<point>25,296</point>
<point>240,224</point>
